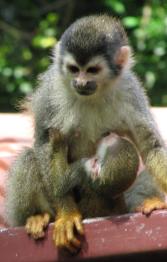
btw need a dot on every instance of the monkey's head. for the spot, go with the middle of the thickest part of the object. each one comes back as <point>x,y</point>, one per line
<point>93,51</point>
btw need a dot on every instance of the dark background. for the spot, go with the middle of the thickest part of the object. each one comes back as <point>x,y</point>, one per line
<point>29,29</point>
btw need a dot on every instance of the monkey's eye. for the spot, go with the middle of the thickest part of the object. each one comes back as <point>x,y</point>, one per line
<point>93,69</point>
<point>73,68</point>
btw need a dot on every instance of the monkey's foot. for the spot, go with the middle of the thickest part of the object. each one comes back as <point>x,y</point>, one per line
<point>151,204</point>
<point>63,233</point>
<point>35,225</point>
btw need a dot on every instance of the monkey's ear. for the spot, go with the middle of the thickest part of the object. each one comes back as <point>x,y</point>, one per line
<point>122,56</point>
<point>56,51</point>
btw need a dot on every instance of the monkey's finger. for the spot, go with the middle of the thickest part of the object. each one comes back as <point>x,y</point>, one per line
<point>35,224</point>
<point>35,235</point>
<point>39,234</point>
<point>55,237</point>
<point>62,237</point>
<point>60,240</point>
<point>66,243</point>
<point>36,229</point>
<point>70,248</point>
<point>39,231</point>
<point>70,235</point>
<point>28,226</point>
<point>79,225</point>
<point>147,211</point>
<point>59,235</point>
<point>46,219</point>
<point>151,204</point>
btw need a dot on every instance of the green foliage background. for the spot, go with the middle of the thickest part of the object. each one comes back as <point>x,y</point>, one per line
<point>29,29</point>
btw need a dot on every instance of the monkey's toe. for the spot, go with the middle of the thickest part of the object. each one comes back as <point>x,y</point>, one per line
<point>63,234</point>
<point>151,204</point>
<point>35,225</point>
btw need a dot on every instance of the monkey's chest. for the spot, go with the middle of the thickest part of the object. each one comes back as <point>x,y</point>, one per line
<point>88,133</point>
<point>80,147</point>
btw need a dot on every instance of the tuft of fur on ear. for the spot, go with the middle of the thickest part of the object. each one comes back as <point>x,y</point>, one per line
<point>124,57</point>
<point>24,105</point>
<point>56,52</point>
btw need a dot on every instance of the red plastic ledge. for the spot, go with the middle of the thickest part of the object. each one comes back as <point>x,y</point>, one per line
<point>120,238</point>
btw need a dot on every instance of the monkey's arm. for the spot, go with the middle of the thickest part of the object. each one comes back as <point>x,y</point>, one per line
<point>152,150</point>
<point>58,176</point>
<point>144,195</point>
<point>147,138</point>
<point>54,171</point>
<point>50,145</point>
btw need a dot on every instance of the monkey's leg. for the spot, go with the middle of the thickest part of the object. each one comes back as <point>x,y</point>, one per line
<point>25,197</point>
<point>115,166</point>
<point>144,195</point>
<point>68,218</point>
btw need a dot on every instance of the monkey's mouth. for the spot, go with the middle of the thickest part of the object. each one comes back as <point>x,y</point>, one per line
<point>85,92</point>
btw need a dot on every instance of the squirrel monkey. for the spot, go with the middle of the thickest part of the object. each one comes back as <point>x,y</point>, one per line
<point>29,202</point>
<point>88,90</point>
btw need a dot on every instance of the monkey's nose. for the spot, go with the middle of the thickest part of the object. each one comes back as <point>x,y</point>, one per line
<point>87,88</point>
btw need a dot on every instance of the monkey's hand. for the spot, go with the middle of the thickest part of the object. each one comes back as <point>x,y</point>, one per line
<point>56,137</point>
<point>151,204</point>
<point>35,225</point>
<point>63,234</point>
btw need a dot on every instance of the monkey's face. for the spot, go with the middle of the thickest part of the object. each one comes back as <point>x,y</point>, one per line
<point>88,79</point>
<point>93,52</point>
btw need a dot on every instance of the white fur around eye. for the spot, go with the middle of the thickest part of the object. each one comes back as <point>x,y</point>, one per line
<point>99,61</point>
<point>68,60</point>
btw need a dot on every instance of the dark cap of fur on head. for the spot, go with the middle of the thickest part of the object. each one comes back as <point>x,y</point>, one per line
<point>94,35</point>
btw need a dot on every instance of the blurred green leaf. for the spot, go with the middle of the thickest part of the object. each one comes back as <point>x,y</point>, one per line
<point>43,41</point>
<point>159,51</point>
<point>26,53</point>
<point>19,72</point>
<point>117,6</point>
<point>164,100</point>
<point>26,87</point>
<point>7,71</point>
<point>130,21</point>
<point>52,18</point>
<point>150,79</point>
<point>10,87</point>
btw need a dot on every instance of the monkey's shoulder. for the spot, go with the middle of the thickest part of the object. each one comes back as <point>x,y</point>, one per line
<point>131,94</point>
